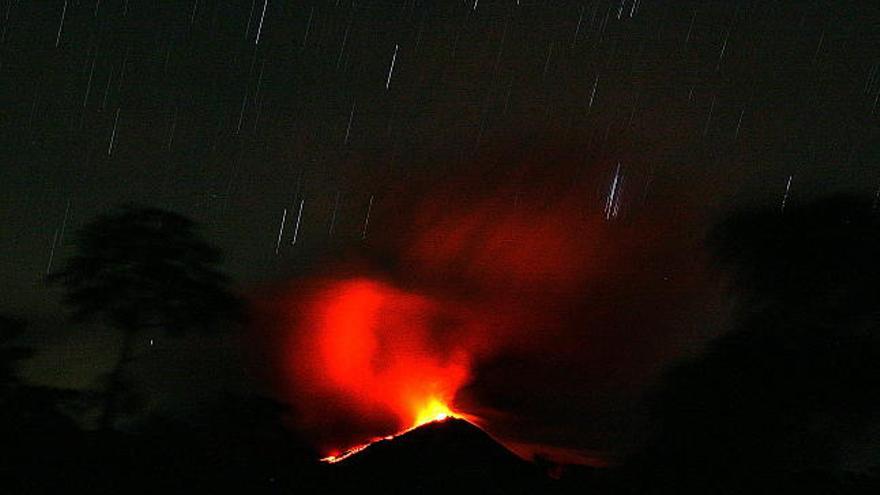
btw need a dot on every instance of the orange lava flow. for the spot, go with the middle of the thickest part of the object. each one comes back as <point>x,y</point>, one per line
<point>371,349</point>
<point>434,411</point>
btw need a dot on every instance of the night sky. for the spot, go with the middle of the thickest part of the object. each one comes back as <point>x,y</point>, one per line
<point>337,120</point>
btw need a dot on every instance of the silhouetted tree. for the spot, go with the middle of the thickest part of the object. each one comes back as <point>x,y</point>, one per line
<point>814,261</point>
<point>797,379</point>
<point>139,268</point>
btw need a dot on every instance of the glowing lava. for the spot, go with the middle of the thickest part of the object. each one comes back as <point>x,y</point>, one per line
<point>476,269</point>
<point>434,411</point>
<point>368,350</point>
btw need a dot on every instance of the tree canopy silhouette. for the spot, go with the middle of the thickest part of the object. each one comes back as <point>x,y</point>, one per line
<point>139,268</point>
<point>796,382</point>
<point>818,260</point>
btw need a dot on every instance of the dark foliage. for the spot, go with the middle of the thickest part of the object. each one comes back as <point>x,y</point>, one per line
<point>237,446</point>
<point>818,261</point>
<point>145,267</point>
<point>796,382</point>
<point>141,268</point>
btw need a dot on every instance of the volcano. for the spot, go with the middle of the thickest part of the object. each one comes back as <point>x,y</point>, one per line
<point>450,455</point>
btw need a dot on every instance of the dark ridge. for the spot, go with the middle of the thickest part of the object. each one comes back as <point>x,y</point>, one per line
<point>449,456</point>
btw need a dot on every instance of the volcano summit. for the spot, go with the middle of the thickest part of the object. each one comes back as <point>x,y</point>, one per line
<point>450,455</point>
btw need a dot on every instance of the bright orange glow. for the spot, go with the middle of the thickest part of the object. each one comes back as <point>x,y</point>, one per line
<point>433,411</point>
<point>436,411</point>
<point>385,336</point>
<point>373,345</point>
<point>370,350</point>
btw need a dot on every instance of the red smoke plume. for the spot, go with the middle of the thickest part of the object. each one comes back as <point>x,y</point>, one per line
<point>469,271</point>
<point>361,350</point>
<point>371,346</point>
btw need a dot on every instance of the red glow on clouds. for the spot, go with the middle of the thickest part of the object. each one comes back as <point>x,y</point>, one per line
<point>469,275</point>
<point>367,355</point>
<point>364,357</point>
<point>372,342</point>
<point>500,243</point>
<point>372,359</point>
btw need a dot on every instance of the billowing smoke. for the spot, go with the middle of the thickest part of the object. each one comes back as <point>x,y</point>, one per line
<point>368,350</point>
<point>463,296</point>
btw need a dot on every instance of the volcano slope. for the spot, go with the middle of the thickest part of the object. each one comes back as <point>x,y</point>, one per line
<point>450,456</point>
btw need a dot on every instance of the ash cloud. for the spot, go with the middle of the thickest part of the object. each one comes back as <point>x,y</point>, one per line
<point>557,315</point>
